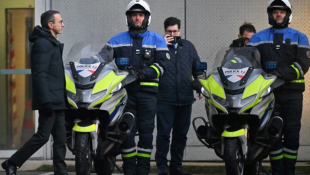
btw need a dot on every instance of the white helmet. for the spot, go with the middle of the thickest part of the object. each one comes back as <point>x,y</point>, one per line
<point>280,5</point>
<point>138,6</point>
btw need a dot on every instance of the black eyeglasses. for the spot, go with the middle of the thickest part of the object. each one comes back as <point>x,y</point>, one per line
<point>172,31</point>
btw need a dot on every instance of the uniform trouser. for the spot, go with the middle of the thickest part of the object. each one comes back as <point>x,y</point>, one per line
<point>143,106</point>
<point>47,125</point>
<point>283,154</point>
<point>178,119</point>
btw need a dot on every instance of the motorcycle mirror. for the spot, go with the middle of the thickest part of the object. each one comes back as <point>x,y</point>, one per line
<point>122,62</point>
<point>271,65</point>
<point>201,66</point>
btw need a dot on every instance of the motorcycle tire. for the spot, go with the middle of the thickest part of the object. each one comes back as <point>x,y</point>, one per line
<point>252,168</point>
<point>83,156</point>
<point>104,166</point>
<point>234,163</point>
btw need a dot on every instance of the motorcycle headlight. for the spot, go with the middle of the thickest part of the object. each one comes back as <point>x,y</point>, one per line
<point>97,95</point>
<point>117,88</point>
<point>266,92</point>
<point>72,96</point>
<point>219,100</point>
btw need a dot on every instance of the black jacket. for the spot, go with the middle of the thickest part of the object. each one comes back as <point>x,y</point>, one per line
<point>174,86</point>
<point>47,71</point>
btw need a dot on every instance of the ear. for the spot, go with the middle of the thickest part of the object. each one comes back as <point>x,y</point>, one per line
<point>239,36</point>
<point>50,25</point>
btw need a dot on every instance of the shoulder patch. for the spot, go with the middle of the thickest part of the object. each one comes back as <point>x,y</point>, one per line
<point>168,56</point>
<point>308,54</point>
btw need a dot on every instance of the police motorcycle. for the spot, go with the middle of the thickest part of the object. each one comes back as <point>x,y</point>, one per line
<point>242,124</point>
<point>96,124</point>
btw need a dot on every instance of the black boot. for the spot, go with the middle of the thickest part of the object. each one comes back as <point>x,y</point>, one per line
<point>9,168</point>
<point>162,171</point>
<point>178,171</point>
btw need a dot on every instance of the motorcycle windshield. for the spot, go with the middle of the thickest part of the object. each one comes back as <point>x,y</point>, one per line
<point>89,53</point>
<point>236,58</point>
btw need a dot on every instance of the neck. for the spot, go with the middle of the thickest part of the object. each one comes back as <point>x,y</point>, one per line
<point>54,34</point>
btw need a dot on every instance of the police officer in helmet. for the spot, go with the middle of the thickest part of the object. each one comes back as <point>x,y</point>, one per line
<point>148,56</point>
<point>290,49</point>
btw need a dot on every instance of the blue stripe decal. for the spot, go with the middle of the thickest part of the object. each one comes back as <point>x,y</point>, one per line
<point>265,114</point>
<point>227,76</point>
<point>78,71</point>
<point>116,109</point>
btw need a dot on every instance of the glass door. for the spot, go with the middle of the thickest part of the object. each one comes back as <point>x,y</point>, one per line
<point>17,120</point>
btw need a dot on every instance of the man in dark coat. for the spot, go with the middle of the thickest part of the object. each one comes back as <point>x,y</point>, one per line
<point>175,99</point>
<point>48,94</point>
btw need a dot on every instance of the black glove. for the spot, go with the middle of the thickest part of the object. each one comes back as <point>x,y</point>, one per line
<point>276,73</point>
<point>239,42</point>
<point>135,72</point>
<point>196,86</point>
<point>47,109</point>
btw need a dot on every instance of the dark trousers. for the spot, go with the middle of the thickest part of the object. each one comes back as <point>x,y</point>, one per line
<point>283,154</point>
<point>47,125</point>
<point>143,106</point>
<point>178,119</point>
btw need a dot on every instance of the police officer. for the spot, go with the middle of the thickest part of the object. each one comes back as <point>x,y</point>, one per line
<point>290,49</point>
<point>148,55</point>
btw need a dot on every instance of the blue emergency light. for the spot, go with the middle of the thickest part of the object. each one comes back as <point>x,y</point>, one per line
<point>122,62</point>
<point>271,65</point>
<point>201,66</point>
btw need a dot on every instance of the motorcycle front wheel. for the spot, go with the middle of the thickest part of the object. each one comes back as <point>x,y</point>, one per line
<point>104,166</point>
<point>234,162</point>
<point>83,157</point>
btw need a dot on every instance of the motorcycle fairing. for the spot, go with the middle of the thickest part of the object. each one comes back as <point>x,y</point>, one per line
<point>85,127</point>
<point>107,83</point>
<point>241,134</point>
<point>257,87</point>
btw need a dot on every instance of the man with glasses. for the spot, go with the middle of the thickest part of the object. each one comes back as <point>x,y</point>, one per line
<point>175,99</point>
<point>48,95</point>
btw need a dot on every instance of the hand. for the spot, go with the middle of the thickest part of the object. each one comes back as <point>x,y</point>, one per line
<point>168,39</point>
<point>276,73</point>
<point>135,72</point>
<point>239,42</point>
<point>199,95</point>
<point>47,109</point>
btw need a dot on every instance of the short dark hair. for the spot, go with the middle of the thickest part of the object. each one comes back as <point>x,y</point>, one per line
<point>246,27</point>
<point>171,21</point>
<point>47,17</point>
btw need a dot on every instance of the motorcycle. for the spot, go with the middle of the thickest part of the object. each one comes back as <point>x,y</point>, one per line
<point>239,101</point>
<point>96,124</point>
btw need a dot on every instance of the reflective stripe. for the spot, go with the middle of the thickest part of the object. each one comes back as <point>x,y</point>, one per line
<point>160,68</point>
<point>290,156</point>
<point>290,151</point>
<point>149,46</point>
<point>156,69</point>
<point>276,152</point>
<point>144,155</point>
<point>300,69</point>
<point>296,81</point>
<point>148,84</point>
<point>145,150</point>
<point>262,42</point>
<point>129,155</point>
<point>118,45</point>
<point>297,71</point>
<point>162,49</point>
<point>128,150</point>
<point>277,157</point>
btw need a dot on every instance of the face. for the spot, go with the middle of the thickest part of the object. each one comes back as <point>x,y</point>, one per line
<point>279,15</point>
<point>138,18</point>
<point>57,25</point>
<point>247,35</point>
<point>172,30</point>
